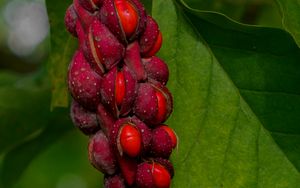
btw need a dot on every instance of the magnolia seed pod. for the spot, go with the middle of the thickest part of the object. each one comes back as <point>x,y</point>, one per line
<point>161,144</point>
<point>83,82</point>
<point>118,91</point>
<point>84,120</point>
<point>102,48</point>
<point>153,104</point>
<point>100,154</point>
<point>128,168</point>
<point>126,138</point>
<point>134,62</point>
<point>84,16</point>
<point>91,5</point>
<point>105,119</point>
<point>145,132</point>
<point>125,18</point>
<point>156,69</point>
<point>167,164</point>
<point>115,181</point>
<point>152,174</point>
<point>151,39</point>
<point>70,20</point>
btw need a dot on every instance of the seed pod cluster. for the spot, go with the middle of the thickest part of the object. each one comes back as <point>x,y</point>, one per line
<point>120,98</point>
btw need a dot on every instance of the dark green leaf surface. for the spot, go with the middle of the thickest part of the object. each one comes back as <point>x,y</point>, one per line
<point>290,17</point>
<point>18,158</point>
<point>266,76</point>
<point>22,108</point>
<point>222,142</point>
<point>62,50</point>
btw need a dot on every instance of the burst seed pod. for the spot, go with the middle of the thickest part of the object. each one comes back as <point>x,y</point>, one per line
<point>125,18</point>
<point>100,154</point>
<point>134,62</point>
<point>126,138</point>
<point>83,82</point>
<point>116,181</point>
<point>151,175</point>
<point>151,39</point>
<point>156,69</point>
<point>153,104</point>
<point>118,91</point>
<point>91,5</point>
<point>102,48</point>
<point>84,120</point>
<point>161,144</point>
<point>85,17</point>
<point>70,20</point>
<point>128,168</point>
<point>171,134</point>
<point>105,119</point>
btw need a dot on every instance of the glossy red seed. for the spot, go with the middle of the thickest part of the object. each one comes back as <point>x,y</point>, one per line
<point>156,47</point>
<point>130,140</point>
<point>128,168</point>
<point>161,176</point>
<point>161,106</point>
<point>128,16</point>
<point>172,135</point>
<point>120,88</point>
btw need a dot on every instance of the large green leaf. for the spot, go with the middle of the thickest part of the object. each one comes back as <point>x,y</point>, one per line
<point>290,17</point>
<point>62,50</point>
<point>22,108</point>
<point>267,78</point>
<point>19,157</point>
<point>222,142</point>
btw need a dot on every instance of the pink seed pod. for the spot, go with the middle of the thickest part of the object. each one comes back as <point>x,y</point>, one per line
<point>100,154</point>
<point>153,104</point>
<point>145,132</point>
<point>80,34</point>
<point>105,119</point>
<point>161,144</point>
<point>116,181</point>
<point>134,62</point>
<point>84,16</point>
<point>126,138</point>
<point>102,48</point>
<point>151,39</point>
<point>118,91</point>
<point>152,174</point>
<point>83,82</point>
<point>125,18</point>
<point>167,164</point>
<point>91,5</point>
<point>83,119</point>
<point>156,69</point>
<point>128,168</point>
<point>70,20</point>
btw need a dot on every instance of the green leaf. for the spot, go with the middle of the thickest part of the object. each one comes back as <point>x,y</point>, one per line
<point>19,158</point>
<point>62,49</point>
<point>290,17</point>
<point>267,78</point>
<point>223,143</point>
<point>24,108</point>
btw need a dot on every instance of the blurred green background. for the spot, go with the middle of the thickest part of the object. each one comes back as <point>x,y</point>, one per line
<point>24,49</point>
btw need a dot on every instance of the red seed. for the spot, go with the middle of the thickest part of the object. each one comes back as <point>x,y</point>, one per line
<point>130,140</point>
<point>172,135</point>
<point>156,47</point>
<point>161,177</point>
<point>120,88</point>
<point>128,168</point>
<point>128,16</point>
<point>161,103</point>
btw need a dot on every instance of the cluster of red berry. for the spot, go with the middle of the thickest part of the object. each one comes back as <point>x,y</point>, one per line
<point>119,94</point>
